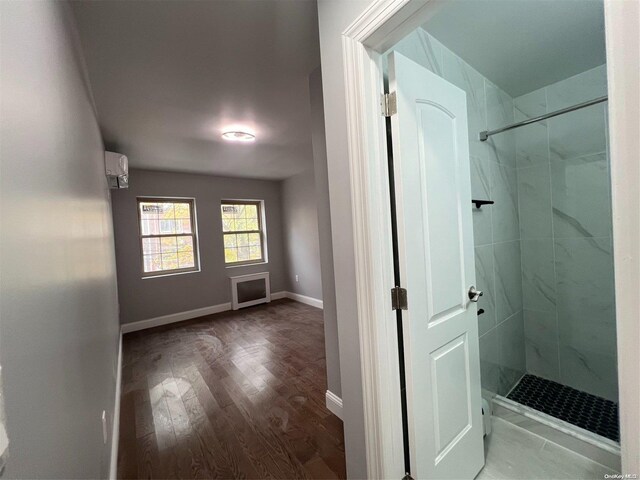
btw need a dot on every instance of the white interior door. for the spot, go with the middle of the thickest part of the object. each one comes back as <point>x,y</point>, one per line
<point>435,243</point>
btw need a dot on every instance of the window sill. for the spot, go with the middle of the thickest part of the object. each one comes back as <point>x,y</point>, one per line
<point>160,275</point>
<point>246,264</point>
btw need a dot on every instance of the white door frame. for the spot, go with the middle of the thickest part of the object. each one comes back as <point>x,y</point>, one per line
<point>377,29</point>
<point>622,28</point>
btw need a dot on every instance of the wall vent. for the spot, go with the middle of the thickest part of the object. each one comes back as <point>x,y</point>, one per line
<point>252,289</point>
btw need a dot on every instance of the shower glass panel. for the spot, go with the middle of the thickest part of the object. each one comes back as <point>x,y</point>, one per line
<point>566,236</point>
<point>564,201</point>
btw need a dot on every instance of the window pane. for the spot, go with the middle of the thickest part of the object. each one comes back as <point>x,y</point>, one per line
<point>167,226</point>
<point>150,227</point>
<point>183,225</point>
<point>243,254</point>
<point>149,211</point>
<point>228,225</point>
<point>168,245</point>
<point>185,244</point>
<point>251,211</point>
<point>241,224</point>
<point>186,260</point>
<point>182,210</point>
<point>150,245</point>
<point>242,239</point>
<point>152,263</point>
<point>252,224</point>
<point>169,261</point>
<point>254,239</point>
<point>229,240</point>
<point>255,253</point>
<point>230,255</point>
<point>166,210</point>
<point>229,211</point>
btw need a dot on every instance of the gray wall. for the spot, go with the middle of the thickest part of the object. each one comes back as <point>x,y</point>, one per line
<point>334,16</point>
<point>58,312</point>
<point>141,299</point>
<point>321,175</point>
<point>565,224</point>
<point>300,228</point>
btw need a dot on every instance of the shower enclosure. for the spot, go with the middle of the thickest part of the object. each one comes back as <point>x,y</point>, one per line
<point>564,217</point>
<point>543,248</point>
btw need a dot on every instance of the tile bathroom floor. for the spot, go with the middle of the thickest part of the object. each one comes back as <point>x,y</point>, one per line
<point>514,453</point>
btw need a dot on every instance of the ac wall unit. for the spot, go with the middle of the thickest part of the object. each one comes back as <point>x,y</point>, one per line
<point>252,289</point>
<point>116,166</point>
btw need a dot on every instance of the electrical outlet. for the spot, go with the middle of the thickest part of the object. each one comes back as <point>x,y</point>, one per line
<point>297,279</point>
<point>104,427</point>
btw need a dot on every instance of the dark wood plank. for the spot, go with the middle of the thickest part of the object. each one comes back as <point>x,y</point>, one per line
<point>191,461</point>
<point>148,457</point>
<point>127,458</point>
<point>234,395</point>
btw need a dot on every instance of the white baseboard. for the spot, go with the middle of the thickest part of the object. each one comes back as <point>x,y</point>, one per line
<point>201,312</point>
<point>115,427</point>
<point>174,317</point>
<point>314,302</point>
<point>334,403</point>
<point>278,295</point>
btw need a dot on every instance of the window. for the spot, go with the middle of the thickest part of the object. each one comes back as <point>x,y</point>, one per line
<point>242,231</point>
<point>167,235</point>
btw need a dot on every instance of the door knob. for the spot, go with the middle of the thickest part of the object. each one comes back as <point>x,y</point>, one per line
<point>474,294</point>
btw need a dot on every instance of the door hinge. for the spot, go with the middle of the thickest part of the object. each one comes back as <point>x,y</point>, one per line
<point>399,298</point>
<point>389,104</point>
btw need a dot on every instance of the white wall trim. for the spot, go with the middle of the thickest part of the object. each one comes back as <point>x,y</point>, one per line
<point>622,27</point>
<point>201,312</point>
<point>334,403</point>
<point>314,302</point>
<point>174,317</point>
<point>279,295</point>
<point>379,26</point>
<point>115,426</point>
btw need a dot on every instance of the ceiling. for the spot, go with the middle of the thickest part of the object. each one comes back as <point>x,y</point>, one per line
<point>168,76</point>
<point>523,45</point>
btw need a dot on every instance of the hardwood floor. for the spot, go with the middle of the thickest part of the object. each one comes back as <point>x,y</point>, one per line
<point>233,395</point>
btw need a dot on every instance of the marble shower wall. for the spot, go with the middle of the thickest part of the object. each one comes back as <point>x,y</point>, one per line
<point>566,238</point>
<point>496,227</point>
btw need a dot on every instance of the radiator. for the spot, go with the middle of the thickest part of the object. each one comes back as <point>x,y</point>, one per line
<point>252,289</point>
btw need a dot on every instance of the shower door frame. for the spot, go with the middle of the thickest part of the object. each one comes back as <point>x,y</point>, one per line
<point>377,29</point>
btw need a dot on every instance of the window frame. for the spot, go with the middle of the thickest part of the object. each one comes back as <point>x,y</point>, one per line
<point>194,234</point>
<point>261,227</point>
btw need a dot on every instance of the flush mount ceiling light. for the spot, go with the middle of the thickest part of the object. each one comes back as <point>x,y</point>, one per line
<point>238,136</point>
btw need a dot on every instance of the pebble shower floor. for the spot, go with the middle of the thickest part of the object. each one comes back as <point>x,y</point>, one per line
<point>584,410</point>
